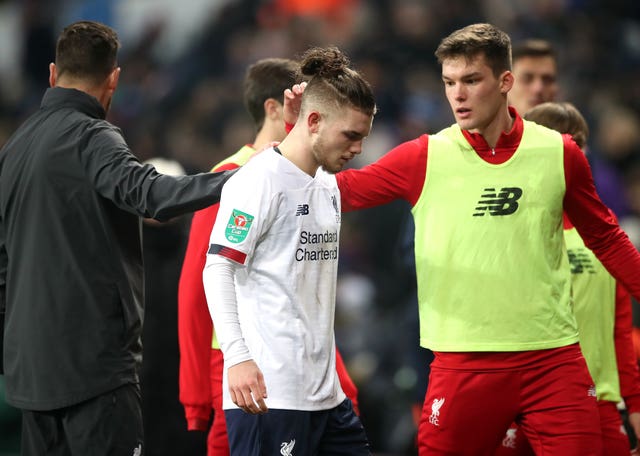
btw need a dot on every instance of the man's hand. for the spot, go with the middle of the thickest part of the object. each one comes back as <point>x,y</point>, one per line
<point>634,421</point>
<point>247,387</point>
<point>292,102</point>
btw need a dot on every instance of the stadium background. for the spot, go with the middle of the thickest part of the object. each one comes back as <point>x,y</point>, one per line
<point>180,98</point>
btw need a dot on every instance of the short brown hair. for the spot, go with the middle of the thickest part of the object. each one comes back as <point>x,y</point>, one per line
<point>478,39</point>
<point>533,48</point>
<point>87,50</point>
<point>267,78</point>
<point>562,117</point>
<point>329,78</point>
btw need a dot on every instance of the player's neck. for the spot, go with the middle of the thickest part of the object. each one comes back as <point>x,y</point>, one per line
<point>267,135</point>
<point>502,123</point>
<point>299,153</point>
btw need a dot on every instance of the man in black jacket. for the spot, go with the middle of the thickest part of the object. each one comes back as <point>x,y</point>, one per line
<point>71,278</point>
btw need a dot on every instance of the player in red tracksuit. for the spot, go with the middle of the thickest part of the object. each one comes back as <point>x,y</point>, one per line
<point>488,196</point>
<point>603,311</point>
<point>201,364</point>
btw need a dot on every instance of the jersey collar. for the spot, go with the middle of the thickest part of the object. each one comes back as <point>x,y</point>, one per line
<point>507,143</point>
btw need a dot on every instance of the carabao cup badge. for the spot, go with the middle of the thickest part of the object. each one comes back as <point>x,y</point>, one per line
<point>238,226</point>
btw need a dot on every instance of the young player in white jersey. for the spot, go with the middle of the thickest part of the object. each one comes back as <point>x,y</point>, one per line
<point>270,275</point>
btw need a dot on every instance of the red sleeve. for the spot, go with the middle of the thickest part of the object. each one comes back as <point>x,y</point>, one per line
<point>195,329</point>
<point>399,174</point>
<point>625,353</point>
<point>346,383</point>
<point>595,223</point>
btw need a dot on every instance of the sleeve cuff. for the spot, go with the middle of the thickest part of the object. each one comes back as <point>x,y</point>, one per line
<point>197,424</point>
<point>288,127</point>
<point>197,417</point>
<point>632,403</point>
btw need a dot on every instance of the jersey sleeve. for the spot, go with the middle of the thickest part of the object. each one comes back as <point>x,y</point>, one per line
<point>245,209</point>
<point>625,354</point>
<point>399,174</point>
<point>245,212</point>
<point>195,330</point>
<point>595,223</point>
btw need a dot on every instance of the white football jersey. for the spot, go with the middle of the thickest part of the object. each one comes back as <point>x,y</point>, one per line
<point>284,227</point>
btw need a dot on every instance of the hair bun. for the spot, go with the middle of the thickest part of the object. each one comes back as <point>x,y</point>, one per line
<point>327,62</point>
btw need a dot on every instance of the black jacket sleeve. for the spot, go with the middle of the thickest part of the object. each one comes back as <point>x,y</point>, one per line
<point>118,176</point>
<point>3,282</point>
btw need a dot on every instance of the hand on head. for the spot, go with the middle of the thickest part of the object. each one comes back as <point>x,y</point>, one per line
<point>292,102</point>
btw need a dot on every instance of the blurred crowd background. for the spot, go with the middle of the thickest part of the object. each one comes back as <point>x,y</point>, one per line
<point>180,99</point>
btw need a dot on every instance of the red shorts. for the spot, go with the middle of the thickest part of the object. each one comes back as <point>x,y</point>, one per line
<point>514,443</point>
<point>467,412</point>
<point>615,441</point>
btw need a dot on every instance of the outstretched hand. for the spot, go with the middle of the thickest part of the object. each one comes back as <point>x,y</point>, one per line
<point>247,388</point>
<point>292,102</point>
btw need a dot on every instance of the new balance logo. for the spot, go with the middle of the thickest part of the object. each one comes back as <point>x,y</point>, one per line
<point>504,202</point>
<point>580,262</point>
<point>286,449</point>
<point>303,209</point>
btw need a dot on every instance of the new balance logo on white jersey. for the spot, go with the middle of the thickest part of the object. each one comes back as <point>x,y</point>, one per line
<point>435,411</point>
<point>286,449</point>
<point>303,209</point>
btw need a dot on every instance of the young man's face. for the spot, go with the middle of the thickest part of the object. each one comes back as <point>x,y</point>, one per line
<point>474,93</point>
<point>340,138</point>
<point>535,82</point>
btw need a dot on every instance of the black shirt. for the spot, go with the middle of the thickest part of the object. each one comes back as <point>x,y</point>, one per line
<point>71,198</point>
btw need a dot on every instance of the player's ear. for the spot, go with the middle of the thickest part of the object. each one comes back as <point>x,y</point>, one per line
<point>506,82</point>
<point>112,79</point>
<point>53,74</point>
<point>272,109</point>
<point>313,121</point>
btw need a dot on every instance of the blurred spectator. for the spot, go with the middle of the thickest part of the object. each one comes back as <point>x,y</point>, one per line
<point>616,148</point>
<point>535,68</point>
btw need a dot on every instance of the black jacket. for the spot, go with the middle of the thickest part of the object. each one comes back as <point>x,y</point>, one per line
<point>71,278</point>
